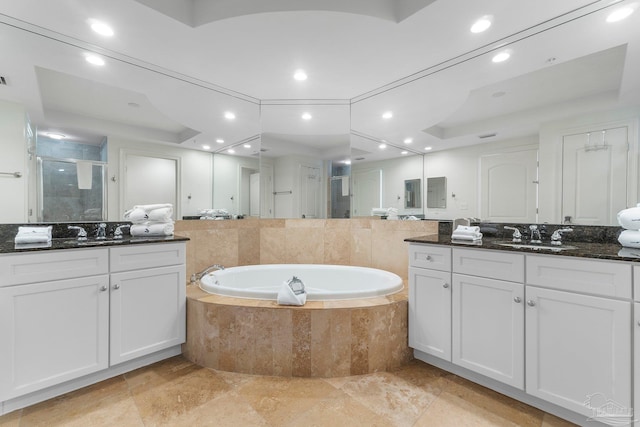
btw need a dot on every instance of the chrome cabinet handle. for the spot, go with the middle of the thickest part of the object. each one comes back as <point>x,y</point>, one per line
<point>531,303</point>
<point>446,285</point>
<point>517,300</point>
<point>103,288</point>
<point>116,286</point>
<point>428,257</point>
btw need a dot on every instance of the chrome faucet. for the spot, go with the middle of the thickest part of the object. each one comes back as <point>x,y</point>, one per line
<point>82,233</point>
<point>517,235</point>
<point>197,276</point>
<point>556,237</point>
<point>535,234</point>
<point>117,234</point>
<point>101,231</point>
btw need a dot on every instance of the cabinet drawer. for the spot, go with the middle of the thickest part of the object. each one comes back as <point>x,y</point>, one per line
<point>580,275</point>
<point>491,264</point>
<point>136,257</point>
<point>46,266</point>
<point>430,256</point>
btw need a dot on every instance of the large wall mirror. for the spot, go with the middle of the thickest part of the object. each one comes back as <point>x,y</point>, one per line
<point>548,135</point>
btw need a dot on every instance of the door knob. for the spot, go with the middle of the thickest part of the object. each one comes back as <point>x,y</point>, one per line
<point>517,299</point>
<point>446,285</point>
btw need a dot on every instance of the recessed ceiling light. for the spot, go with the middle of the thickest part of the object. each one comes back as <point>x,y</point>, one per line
<point>229,115</point>
<point>408,140</point>
<point>54,135</point>
<point>620,14</point>
<point>382,146</point>
<point>481,24</point>
<point>94,59</point>
<point>220,141</point>
<point>404,152</point>
<point>501,57</point>
<point>247,145</point>
<point>306,116</point>
<point>60,170</point>
<point>300,75</point>
<point>206,147</point>
<point>231,151</point>
<point>427,148</point>
<point>101,28</point>
<point>387,114</point>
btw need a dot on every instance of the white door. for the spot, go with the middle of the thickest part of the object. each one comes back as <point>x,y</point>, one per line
<point>509,186</point>
<point>488,328</point>
<point>138,327</point>
<point>594,176</point>
<point>367,191</point>
<point>150,180</point>
<point>578,350</point>
<point>310,192</point>
<point>266,192</point>
<point>430,311</point>
<point>254,194</point>
<point>52,332</point>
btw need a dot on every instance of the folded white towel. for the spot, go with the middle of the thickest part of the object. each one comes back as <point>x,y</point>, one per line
<point>629,218</point>
<point>149,208</point>
<point>136,215</point>
<point>286,296</point>
<point>152,229</point>
<point>33,235</point>
<point>630,238</point>
<point>379,211</point>
<point>465,229</point>
<point>161,215</point>
<point>457,236</point>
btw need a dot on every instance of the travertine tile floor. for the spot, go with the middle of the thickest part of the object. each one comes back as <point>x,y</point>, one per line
<point>175,392</point>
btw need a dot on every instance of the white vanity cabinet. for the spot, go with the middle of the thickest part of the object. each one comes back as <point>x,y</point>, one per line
<point>430,300</point>
<point>148,300</point>
<point>54,318</point>
<point>488,314</point>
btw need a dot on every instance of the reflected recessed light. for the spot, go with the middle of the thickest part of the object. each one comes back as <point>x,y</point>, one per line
<point>101,28</point>
<point>346,162</point>
<point>206,147</point>
<point>382,146</point>
<point>231,151</point>
<point>247,145</point>
<point>53,135</point>
<point>220,141</point>
<point>306,116</point>
<point>94,59</point>
<point>619,14</point>
<point>481,24</point>
<point>300,75</point>
<point>387,115</point>
<point>408,140</point>
<point>229,115</point>
<point>501,57</point>
<point>404,152</point>
<point>427,148</point>
<point>60,170</point>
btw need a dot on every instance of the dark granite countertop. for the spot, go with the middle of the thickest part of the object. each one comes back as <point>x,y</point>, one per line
<point>9,247</point>
<point>597,249</point>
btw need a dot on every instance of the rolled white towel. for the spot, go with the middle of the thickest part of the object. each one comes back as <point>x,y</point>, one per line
<point>33,235</point>
<point>149,208</point>
<point>379,211</point>
<point>630,238</point>
<point>629,218</point>
<point>151,229</point>
<point>35,230</point>
<point>465,229</point>
<point>161,215</point>
<point>456,236</point>
<point>286,296</point>
<point>136,215</point>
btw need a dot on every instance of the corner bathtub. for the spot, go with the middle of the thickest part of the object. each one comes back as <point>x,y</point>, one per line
<point>360,326</point>
<point>322,282</point>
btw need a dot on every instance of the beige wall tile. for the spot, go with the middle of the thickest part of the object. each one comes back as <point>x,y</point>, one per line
<point>273,245</point>
<point>304,245</point>
<point>301,344</point>
<point>337,246</point>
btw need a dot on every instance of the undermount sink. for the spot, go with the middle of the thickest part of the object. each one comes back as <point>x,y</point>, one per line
<point>538,247</point>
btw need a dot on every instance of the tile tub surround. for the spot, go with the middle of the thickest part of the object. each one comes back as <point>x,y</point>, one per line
<point>321,339</point>
<point>364,242</point>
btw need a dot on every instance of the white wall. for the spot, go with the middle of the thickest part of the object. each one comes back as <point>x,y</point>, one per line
<point>287,177</point>
<point>14,158</point>
<point>227,182</point>
<point>195,177</point>
<point>461,168</point>
<point>394,173</point>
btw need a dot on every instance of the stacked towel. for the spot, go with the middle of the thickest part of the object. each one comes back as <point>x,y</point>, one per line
<point>466,233</point>
<point>151,220</point>
<point>214,214</point>
<point>28,235</point>
<point>390,213</point>
<point>630,220</point>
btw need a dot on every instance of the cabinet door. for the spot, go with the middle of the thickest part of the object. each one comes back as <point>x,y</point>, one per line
<point>52,332</point>
<point>488,328</point>
<point>636,359</point>
<point>430,311</point>
<point>148,310</point>
<point>578,350</point>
